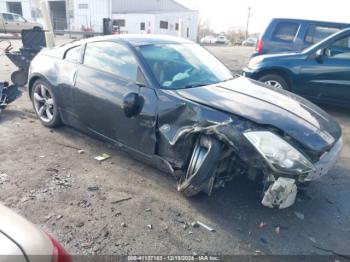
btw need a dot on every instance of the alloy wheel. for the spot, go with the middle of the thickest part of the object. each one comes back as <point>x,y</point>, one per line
<point>274,84</point>
<point>44,103</point>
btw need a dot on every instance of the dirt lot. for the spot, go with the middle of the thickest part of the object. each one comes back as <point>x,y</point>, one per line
<point>71,195</point>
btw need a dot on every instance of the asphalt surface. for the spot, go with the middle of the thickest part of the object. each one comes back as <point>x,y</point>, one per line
<point>77,199</point>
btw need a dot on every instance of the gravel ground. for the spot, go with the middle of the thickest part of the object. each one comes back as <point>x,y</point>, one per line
<point>121,206</point>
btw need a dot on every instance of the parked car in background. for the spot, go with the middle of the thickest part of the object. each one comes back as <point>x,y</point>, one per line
<point>294,35</point>
<point>320,73</point>
<point>20,240</point>
<point>172,103</point>
<point>251,41</point>
<point>221,39</point>
<point>208,40</point>
<point>14,23</point>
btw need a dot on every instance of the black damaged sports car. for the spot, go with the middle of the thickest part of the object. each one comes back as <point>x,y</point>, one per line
<point>173,104</point>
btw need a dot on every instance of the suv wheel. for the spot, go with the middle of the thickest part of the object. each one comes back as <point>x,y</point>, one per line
<point>275,81</point>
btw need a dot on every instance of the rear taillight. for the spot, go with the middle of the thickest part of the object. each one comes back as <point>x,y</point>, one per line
<point>260,46</point>
<point>59,254</point>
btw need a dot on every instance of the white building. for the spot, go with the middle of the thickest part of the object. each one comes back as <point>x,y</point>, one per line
<point>135,16</point>
<point>130,16</point>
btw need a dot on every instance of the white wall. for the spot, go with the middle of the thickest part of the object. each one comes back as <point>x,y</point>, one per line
<point>132,23</point>
<point>190,21</point>
<point>92,17</point>
<point>26,7</point>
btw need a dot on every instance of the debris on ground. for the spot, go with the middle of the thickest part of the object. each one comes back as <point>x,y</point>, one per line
<point>67,145</point>
<point>148,210</point>
<point>262,225</point>
<point>299,215</point>
<point>123,224</point>
<point>79,224</point>
<point>120,200</point>
<point>81,151</point>
<point>3,178</point>
<point>312,239</point>
<point>198,223</point>
<point>277,230</point>
<point>93,188</point>
<point>150,226</point>
<point>102,157</point>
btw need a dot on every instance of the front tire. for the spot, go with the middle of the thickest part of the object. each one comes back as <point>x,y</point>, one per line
<point>45,104</point>
<point>204,160</point>
<point>275,81</point>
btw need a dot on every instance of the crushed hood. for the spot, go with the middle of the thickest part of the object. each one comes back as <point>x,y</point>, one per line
<point>297,117</point>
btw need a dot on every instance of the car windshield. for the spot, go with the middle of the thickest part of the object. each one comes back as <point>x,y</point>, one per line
<point>184,65</point>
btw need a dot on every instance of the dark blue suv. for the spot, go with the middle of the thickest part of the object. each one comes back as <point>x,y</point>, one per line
<point>292,35</point>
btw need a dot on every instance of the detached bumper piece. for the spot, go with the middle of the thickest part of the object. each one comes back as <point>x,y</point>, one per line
<point>281,193</point>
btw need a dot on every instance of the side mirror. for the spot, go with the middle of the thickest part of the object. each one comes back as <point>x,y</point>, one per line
<point>132,104</point>
<point>319,55</point>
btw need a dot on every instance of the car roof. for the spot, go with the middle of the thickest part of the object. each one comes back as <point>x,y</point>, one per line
<point>139,39</point>
<point>308,21</point>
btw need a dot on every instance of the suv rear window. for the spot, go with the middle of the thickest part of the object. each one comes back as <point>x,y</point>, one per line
<point>317,33</point>
<point>285,31</point>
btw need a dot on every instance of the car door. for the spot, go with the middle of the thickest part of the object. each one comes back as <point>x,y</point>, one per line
<point>10,24</point>
<point>107,77</point>
<point>326,77</point>
<point>21,22</point>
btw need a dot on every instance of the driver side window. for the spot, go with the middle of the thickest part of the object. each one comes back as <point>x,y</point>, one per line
<point>339,49</point>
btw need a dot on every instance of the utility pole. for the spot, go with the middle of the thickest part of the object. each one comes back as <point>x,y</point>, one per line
<point>49,34</point>
<point>248,18</point>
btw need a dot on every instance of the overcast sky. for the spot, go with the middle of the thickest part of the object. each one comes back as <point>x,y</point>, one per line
<point>225,14</point>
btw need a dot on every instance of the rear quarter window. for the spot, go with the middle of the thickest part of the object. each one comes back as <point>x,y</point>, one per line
<point>285,31</point>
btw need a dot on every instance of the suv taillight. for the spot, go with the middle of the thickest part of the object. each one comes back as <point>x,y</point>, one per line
<point>260,46</point>
<point>59,254</point>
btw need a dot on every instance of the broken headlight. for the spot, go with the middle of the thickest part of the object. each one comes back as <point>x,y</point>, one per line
<point>280,155</point>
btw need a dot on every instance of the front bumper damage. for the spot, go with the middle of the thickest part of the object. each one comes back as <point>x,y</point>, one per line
<point>283,191</point>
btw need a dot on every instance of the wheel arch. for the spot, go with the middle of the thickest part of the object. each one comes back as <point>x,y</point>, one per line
<point>32,80</point>
<point>277,71</point>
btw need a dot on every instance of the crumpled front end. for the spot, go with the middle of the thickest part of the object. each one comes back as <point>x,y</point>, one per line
<point>282,191</point>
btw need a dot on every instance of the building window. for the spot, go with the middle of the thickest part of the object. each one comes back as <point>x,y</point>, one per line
<point>83,6</point>
<point>14,7</point>
<point>164,25</point>
<point>119,22</point>
<point>143,26</point>
<point>177,27</point>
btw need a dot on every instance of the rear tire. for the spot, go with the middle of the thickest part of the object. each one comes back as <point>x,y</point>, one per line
<point>274,80</point>
<point>45,104</point>
<point>201,168</point>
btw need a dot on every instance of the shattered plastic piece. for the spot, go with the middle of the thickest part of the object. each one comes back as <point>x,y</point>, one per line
<point>102,157</point>
<point>81,151</point>
<point>150,226</point>
<point>281,193</point>
<point>299,215</point>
